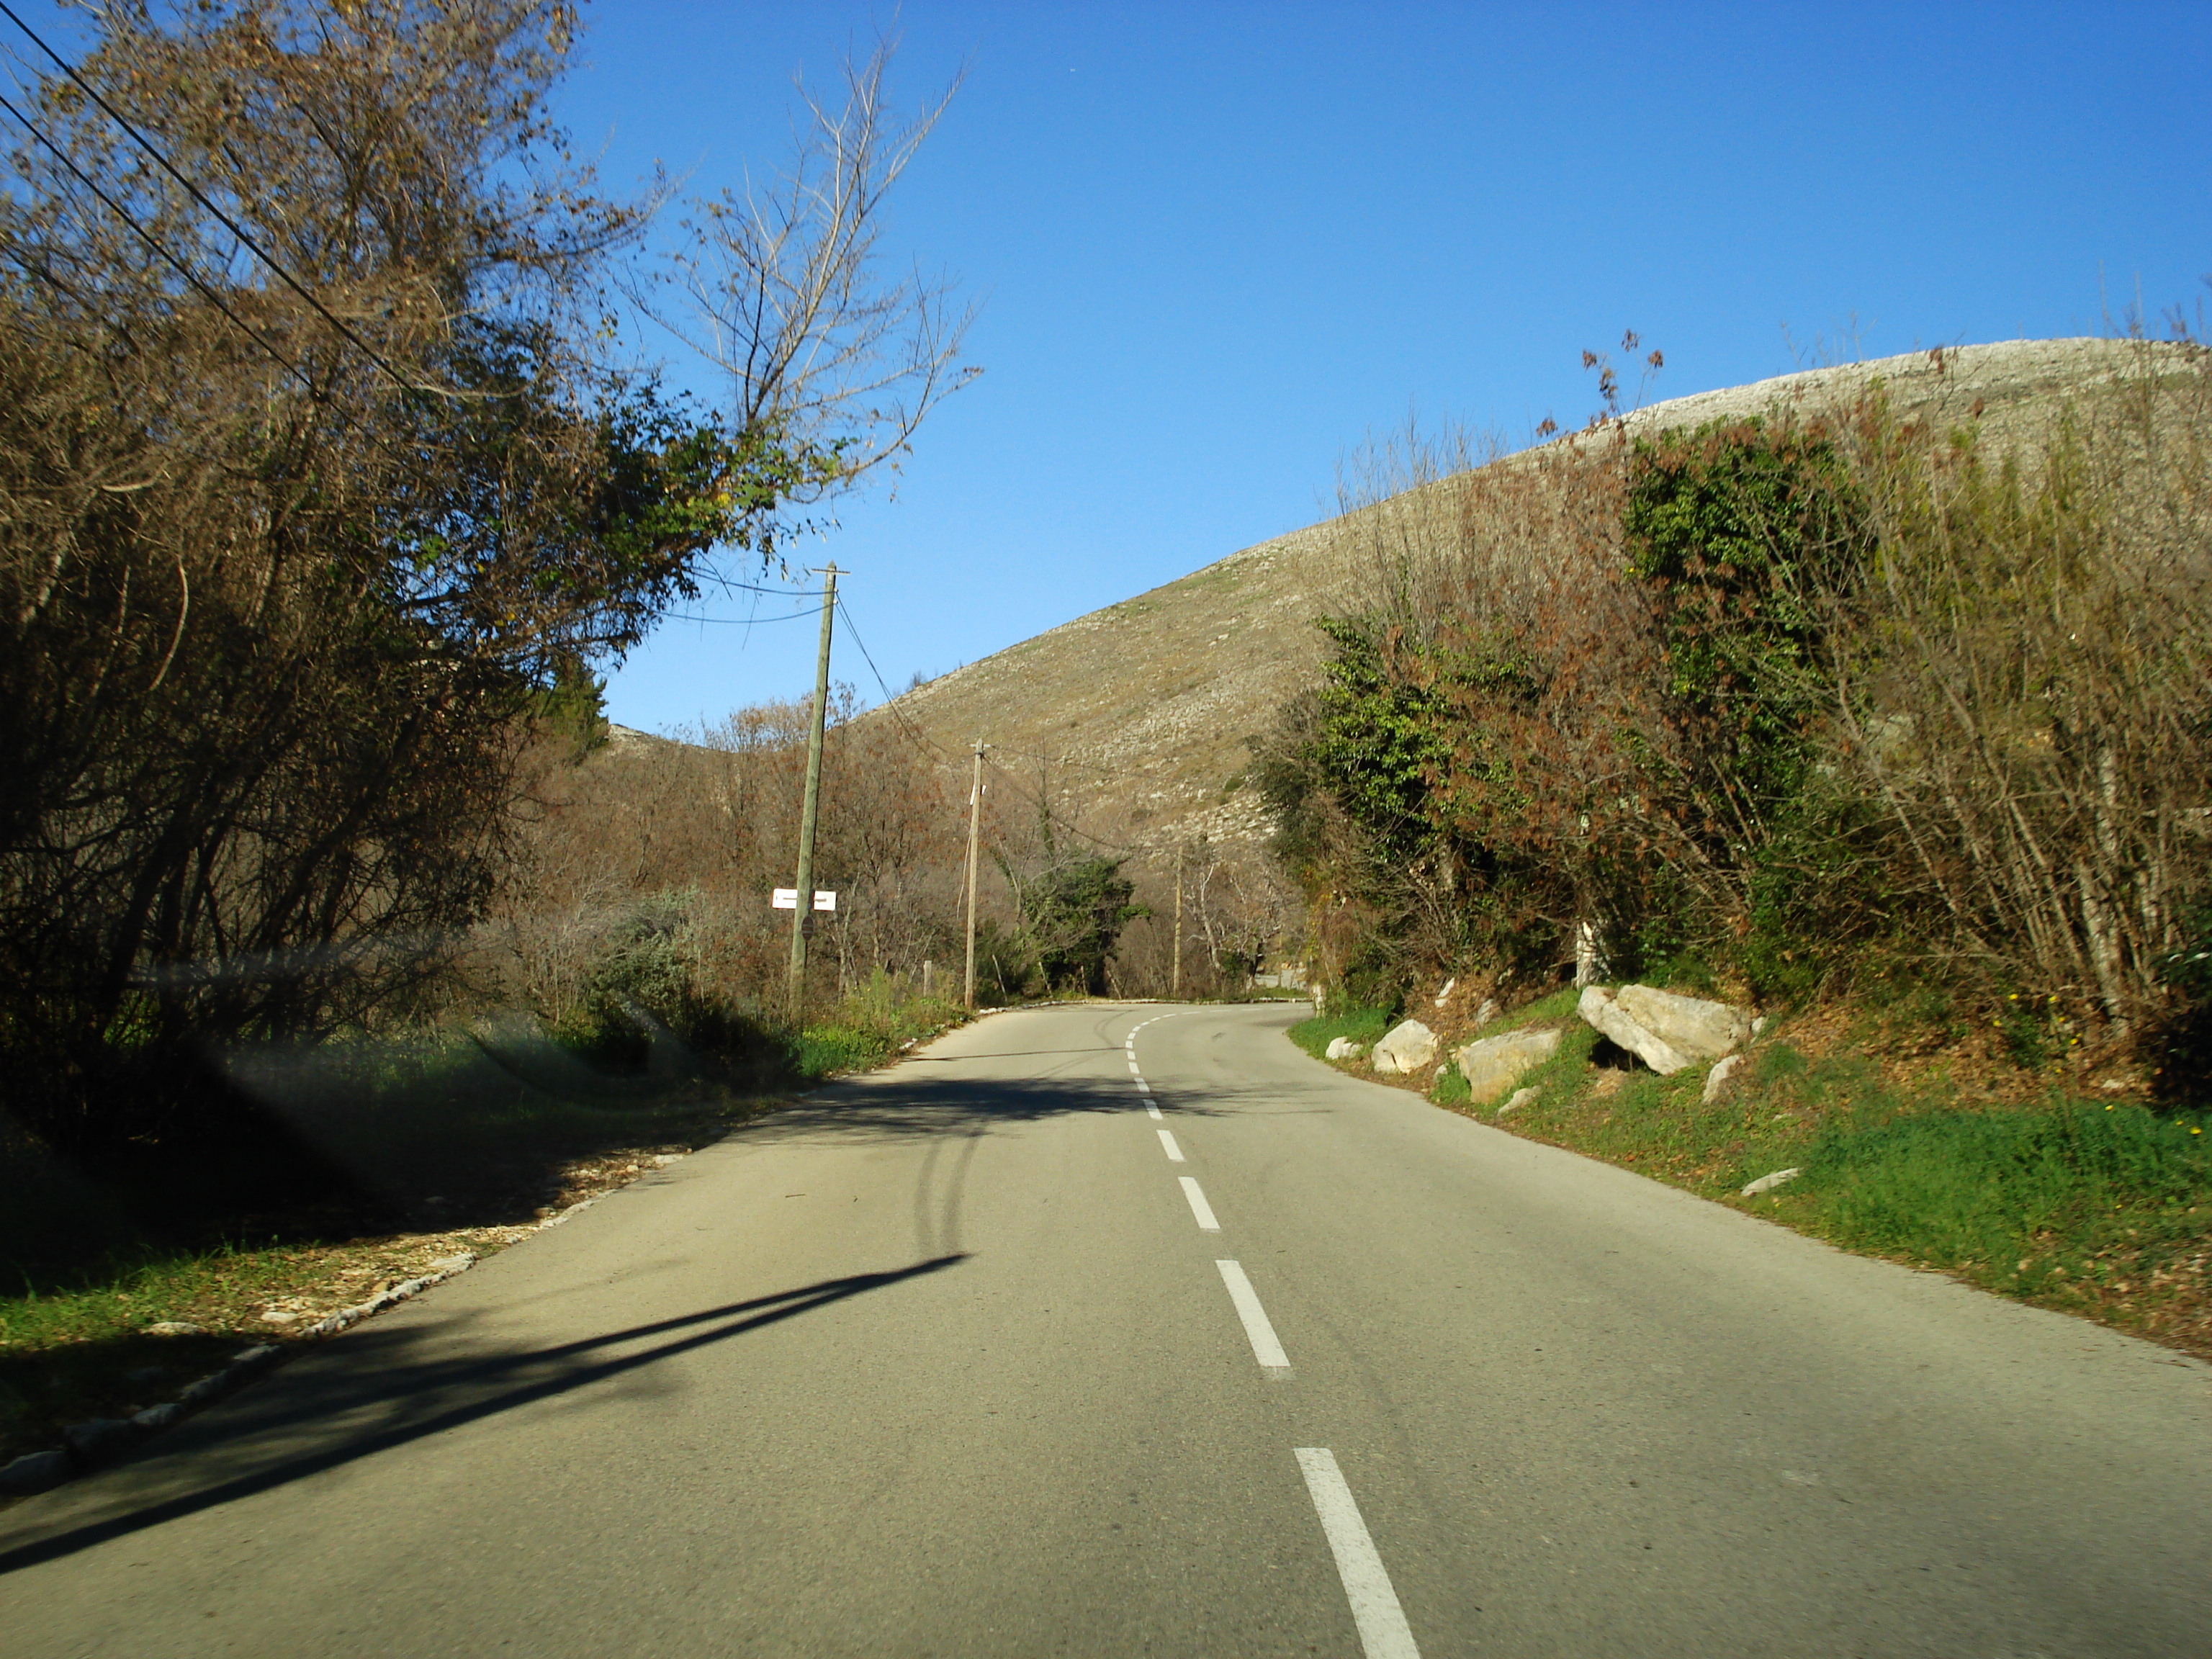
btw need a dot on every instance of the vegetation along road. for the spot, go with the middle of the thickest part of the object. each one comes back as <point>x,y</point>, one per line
<point>1106,1329</point>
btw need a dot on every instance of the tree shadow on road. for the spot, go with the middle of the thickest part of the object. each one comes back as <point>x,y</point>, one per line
<point>379,1400</point>
<point>893,1108</point>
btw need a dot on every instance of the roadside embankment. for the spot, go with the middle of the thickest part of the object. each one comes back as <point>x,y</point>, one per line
<point>2097,1208</point>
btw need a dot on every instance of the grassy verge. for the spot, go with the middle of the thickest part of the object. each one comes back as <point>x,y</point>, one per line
<point>2102,1208</point>
<point>867,1027</point>
<point>365,1163</point>
<point>1363,1026</point>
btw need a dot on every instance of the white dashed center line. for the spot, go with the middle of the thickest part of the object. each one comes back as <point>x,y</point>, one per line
<point>1383,1632</point>
<point>1198,1206</point>
<point>1151,1108</point>
<point>1265,1347</point>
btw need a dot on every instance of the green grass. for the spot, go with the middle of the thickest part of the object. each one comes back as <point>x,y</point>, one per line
<point>69,1354</point>
<point>1362,1025</point>
<point>867,1027</point>
<point>2104,1208</point>
<point>2026,1200</point>
<point>1553,1010</point>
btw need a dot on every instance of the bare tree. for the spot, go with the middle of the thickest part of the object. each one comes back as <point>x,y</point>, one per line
<point>783,288</point>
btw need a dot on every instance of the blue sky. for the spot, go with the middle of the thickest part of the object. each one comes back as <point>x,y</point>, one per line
<point>1217,244</point>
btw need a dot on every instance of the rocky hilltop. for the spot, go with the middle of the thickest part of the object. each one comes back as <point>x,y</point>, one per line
<point>1142,710</point>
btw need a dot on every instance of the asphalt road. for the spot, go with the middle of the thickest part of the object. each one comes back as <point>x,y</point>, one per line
<point>942,1362</point>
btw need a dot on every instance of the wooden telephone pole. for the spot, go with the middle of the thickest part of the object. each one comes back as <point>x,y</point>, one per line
<point>805,905</point>
<point>1175,973</point>
<point>974,840</point>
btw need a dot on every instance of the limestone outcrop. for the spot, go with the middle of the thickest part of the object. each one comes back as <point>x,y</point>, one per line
<point>1409,1047</point>
<point>1492,1066</point>
<point>1667,1033</point>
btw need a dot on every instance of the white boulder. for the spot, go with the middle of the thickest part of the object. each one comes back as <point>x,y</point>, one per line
<point>1717,1078</point>
<point>1492,1066</point>
<point>1665,1031</point>
<point>1521,1098</point>
<point>1409,1047</point>
<point>1605,1016</point>
<point>1690,1025</point>
<point>1767,1183</point>
<point>1343,1049</point>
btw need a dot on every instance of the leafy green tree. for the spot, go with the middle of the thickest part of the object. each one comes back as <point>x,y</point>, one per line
<point>1075,914</point>
<point>289,561</point>
<point>1754,540</point>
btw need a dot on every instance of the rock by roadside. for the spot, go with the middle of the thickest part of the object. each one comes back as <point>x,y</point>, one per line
<point>1409,1047</point>
<point>1492,1066</point>
<point>1667,1033</point>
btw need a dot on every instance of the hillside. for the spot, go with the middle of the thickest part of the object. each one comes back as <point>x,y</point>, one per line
<point>1141,710</point>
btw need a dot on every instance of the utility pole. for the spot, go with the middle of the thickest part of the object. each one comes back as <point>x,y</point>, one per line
<point>974,840</point>
<point>805,906</point>
<point>1175,974</point>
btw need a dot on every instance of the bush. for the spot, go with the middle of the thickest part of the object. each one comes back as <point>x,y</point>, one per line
<point>1815,701</point>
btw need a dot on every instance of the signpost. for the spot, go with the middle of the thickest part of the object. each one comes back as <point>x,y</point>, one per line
<point>787,898</point>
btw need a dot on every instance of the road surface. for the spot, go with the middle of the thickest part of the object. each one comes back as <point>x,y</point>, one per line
<point>978,1356</point>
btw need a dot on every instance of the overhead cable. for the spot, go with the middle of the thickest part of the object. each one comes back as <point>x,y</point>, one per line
<point>737,622</point>
<point>147,237</point>
<point>229,223</point>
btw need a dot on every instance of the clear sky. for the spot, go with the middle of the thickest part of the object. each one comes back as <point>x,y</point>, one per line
<point>1216,244</point>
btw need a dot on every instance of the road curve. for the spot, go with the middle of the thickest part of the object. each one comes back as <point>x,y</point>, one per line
<point>1107,1330</point>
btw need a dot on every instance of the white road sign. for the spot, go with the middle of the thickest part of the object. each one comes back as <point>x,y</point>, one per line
<point>824,901</point>
<point>784,898</point>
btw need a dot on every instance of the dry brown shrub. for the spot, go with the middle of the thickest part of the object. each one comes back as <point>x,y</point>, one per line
<point>2030,702</point>
<point>701,831</point>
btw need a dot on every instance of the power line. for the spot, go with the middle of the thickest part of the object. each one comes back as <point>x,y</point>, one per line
<point>739,622</point>
<point>1068,824</point>
<point>147,236</point>
<point>728,586</point>
<point>891,703</point>
<point>1056,760</point>
<point>891,700</point>
<point>229,223</point>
